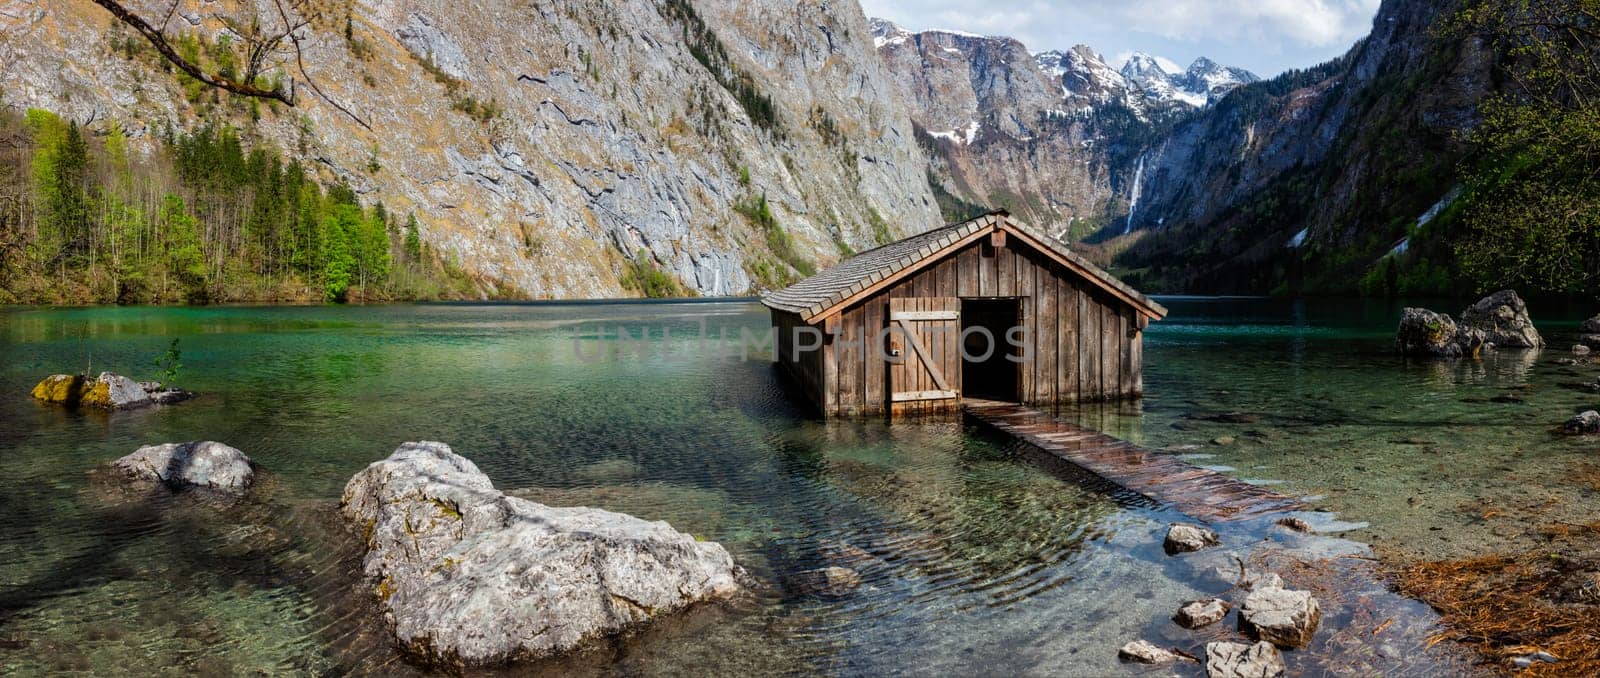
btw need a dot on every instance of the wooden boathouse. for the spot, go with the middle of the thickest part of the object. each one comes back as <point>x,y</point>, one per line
<point>902,329</point>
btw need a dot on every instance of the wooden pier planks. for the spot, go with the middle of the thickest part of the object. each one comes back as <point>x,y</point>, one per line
<point>1162,477</point>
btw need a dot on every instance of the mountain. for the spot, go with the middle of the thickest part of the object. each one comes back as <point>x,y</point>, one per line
<point>551,149</point>
<point>1305,182</point>
<point>1086,79</point>
<point>1201,85</point>
<point>1213,80</point>
<point>589,149</point>
<point>1051,136</point>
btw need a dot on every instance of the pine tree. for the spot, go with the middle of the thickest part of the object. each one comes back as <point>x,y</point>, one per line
<point>413,239</point>
<point>338,227</point>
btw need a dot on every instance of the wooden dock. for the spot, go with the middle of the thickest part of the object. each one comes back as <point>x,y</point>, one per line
<point>1162,477</point>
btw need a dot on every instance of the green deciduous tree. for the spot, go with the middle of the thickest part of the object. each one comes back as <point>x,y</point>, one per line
<point>1531,212</point>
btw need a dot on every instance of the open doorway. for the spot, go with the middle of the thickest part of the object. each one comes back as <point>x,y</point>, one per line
<point>985,371</point>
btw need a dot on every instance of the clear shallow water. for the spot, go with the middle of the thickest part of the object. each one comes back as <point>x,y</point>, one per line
<point>975,553</point>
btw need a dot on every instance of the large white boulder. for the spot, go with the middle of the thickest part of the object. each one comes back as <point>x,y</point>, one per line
<point>205,464</point>
<point>469,576</point>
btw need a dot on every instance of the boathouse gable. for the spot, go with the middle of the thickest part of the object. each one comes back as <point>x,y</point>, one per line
<point>894,322</point>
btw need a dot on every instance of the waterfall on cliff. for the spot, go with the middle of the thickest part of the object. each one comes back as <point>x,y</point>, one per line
<point>1133,197</point>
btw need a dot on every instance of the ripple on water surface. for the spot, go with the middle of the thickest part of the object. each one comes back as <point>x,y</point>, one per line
<point>972,552</point>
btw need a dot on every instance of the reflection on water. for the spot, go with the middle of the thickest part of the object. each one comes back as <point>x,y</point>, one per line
<point>973,552</point>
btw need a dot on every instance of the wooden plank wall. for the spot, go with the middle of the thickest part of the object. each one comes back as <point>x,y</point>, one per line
<point>1082,348</point>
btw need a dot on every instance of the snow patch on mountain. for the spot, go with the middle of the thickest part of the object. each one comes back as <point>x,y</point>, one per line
<point>960,135</point>
<point>1200,85</point>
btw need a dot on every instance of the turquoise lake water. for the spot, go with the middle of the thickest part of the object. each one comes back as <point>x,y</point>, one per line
<point>978,555</point>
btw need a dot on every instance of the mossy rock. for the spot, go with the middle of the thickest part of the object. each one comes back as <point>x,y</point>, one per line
<point>97,394</point>
<point>61,389</point>
<point>108,391</point>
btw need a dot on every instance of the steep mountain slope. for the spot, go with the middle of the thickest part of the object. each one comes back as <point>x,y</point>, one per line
<point>1051,136</point>
<point>545,145</point>
<point>1303,182</point>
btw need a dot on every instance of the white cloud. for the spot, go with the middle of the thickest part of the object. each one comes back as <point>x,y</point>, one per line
<point>1312,23</point>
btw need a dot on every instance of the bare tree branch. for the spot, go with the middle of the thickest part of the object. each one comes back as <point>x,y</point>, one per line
<point>159,41</point>
<point>260,45</point>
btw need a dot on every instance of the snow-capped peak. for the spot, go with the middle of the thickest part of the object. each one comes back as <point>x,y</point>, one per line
<point>885,32</point>
<point>1212,79</point>
<point>1141,66</point>
<point>1084,73</point>
<point>1201,84</point>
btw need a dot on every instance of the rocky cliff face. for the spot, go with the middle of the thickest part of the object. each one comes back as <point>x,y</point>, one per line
<point>633,132</point>
<point>619,130</point>
<point>1303,181</point>
<point>1050,136</point>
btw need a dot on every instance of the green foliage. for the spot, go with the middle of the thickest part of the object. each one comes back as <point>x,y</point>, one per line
<point>455,90</point>
<point>758,212</point>
<point>1530,214</point>
<point>707,48</point>
<point>880,227</point>
<point>342,227</point>
<point>1242,250</point>
<point>204,219</point>
<point>827,127</point>
<point>642,275</point>
<point>58,170</point>
<point>482,111</point>
<point>953,208</point>
<point>413,242</point>
<point>184,256</point>
<point>169,365</point>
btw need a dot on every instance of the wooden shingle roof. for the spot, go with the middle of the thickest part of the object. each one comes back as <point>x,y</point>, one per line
<point>830,291</point>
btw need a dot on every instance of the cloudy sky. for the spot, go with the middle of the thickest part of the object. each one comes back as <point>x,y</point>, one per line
<point>1265,36</point>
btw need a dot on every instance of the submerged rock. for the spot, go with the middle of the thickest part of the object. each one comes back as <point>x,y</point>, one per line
<point>1296,523</point>
<point>1146,652</point>
<point>205,464</point>
<point>1580,349</point>
<point>469,576</point>
<point>1589,332</point>
<point>1583,423</point>
<point>830,582</point>
<point>1185,538</point>
<point>1198,613</point>
<point>1503,319</point>
<point>108,391</point>
<point>1262,580</point>
<point>1237,660</point>
<point>1280,616</point>
<point>846,555</point>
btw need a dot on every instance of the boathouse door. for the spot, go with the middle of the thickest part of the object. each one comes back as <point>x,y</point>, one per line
<point>924,355</point>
